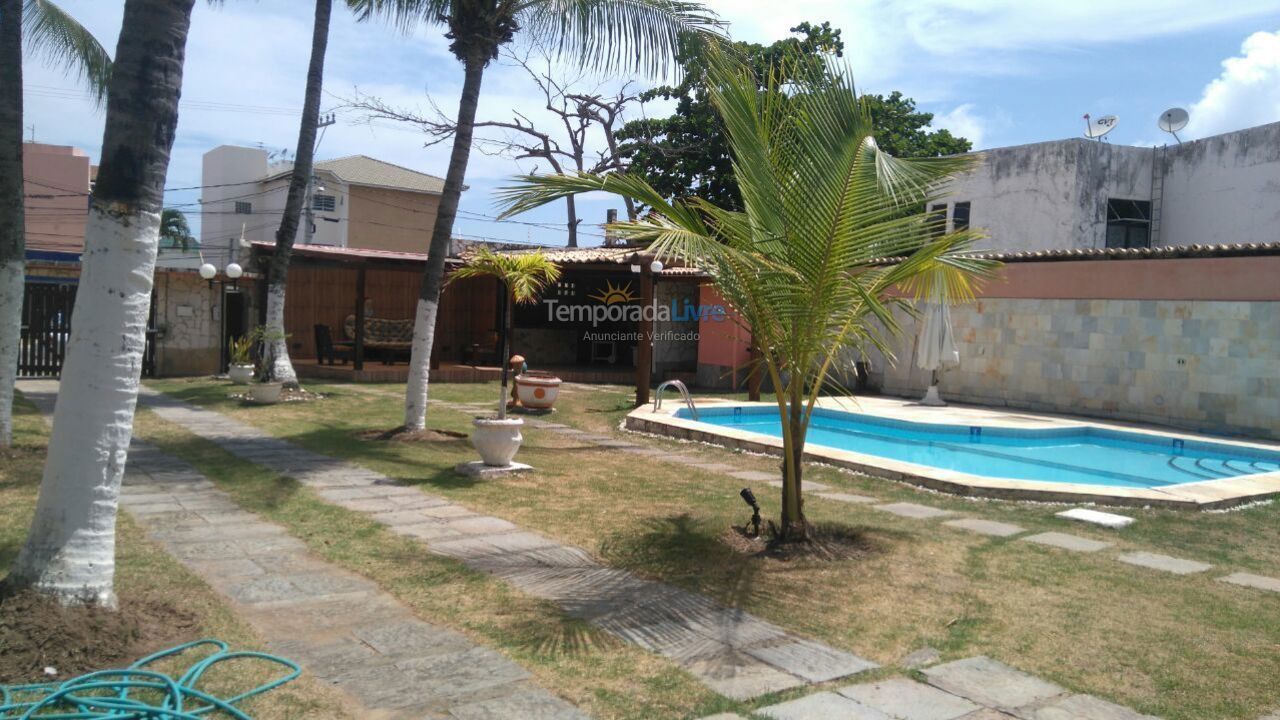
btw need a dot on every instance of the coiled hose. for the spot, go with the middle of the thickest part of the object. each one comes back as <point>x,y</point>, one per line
<point>137,693</point>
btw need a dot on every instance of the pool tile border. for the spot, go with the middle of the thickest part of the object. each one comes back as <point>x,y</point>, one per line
<point>1205,495</point>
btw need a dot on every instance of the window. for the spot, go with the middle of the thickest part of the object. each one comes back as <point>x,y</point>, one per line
<point>244,208</point>
<point>938,219</point>
<point>1128,223</point>
<point>960,217</point>
<point>324,203</point>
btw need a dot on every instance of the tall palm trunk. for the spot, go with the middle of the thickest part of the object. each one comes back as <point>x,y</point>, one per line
<point>424,326</point>
<point>12,232</point>
<point>278,271</point>
<point>70,550</point>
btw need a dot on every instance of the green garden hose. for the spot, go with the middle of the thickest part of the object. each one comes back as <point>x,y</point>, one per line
<point>137,693</point>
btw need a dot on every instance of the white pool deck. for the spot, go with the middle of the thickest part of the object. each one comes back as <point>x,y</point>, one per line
<point>1206,494</point>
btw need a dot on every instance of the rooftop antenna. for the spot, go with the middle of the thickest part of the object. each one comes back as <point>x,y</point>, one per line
<point>1173,120</point>
<point>1095,129</point>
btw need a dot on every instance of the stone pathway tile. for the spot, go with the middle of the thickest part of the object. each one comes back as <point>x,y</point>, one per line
<point>822,706</point>
<point>337,625</point>
<point>754,475</point>
<point>1082,706</point>
<point>1156,561</point>
<point>1260,582</point>
<point>985,527</point>
<point>732,652</point>
<point>808,486</point>
<point>1096,517</point>
<point>920,658</point>
<point>912,510</point>
<point>991,683</point>
<point>909,700</point>
<point>1074,543</point>
<point>723,716</point>
<point>848,498</point>
<point>713,466</point>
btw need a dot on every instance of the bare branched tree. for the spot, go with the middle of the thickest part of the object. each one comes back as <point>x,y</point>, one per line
<point>576,110</point>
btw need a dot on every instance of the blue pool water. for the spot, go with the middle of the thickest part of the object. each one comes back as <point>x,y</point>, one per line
<point>1086,455</point>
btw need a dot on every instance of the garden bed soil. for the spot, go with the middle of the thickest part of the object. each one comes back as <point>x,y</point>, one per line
<point>37,632</point>
<point>827,542</point>
<point>401,434</point>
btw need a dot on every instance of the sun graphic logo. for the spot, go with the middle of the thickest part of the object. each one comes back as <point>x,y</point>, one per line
<point>614,294</point>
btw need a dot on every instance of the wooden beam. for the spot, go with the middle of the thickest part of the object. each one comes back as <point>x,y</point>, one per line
<point>644,347</point>
<point>358,360</point>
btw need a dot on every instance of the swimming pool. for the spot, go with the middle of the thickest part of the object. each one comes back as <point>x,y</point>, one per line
<point>1080,455</point>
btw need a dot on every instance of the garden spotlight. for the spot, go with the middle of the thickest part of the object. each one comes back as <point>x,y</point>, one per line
<point>750,498</point>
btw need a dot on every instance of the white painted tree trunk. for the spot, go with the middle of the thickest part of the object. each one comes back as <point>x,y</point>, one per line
<point>281,367</point>
<point>11,287</point>
<point>70,552</point>
<point>415,396</point>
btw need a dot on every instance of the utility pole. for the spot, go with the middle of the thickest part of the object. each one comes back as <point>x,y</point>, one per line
<point>324,122</point>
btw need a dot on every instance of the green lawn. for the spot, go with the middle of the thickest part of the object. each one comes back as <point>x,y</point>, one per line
<point>1178,647</point>
<point>146,574</point>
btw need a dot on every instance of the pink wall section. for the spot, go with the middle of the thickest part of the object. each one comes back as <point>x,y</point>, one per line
<point>57,189</point>
<point>1208,278</point>
<point>724,343</point>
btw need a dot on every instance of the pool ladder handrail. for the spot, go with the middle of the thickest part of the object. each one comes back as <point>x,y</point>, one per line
<point>684,393</point>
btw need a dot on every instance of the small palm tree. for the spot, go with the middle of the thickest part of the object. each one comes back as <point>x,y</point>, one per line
<point>804,262</point>
<point>50,31</point>
<point>523,277</point>
<point>607,35</point>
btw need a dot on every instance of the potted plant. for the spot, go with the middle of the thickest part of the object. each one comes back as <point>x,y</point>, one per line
<point>241,355</point>
<point>523,276</point>
<point>265,387</point>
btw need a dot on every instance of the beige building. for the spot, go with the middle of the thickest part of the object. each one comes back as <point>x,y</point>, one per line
<point>355,202</point>
<point>56,182</point>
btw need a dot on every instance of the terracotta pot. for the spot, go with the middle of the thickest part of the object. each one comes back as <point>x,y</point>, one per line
<point>536,391</point>
<point>240,374</point>
<point>497,440</point>
<point>266,393</point>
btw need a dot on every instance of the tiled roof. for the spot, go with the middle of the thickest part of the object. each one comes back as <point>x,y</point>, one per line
<point>364,170</point>
<point>1166,251</point>
<point>338,253</point>
<point>610,255</point>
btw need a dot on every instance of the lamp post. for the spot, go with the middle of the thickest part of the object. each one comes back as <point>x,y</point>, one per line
<point>232,272</point>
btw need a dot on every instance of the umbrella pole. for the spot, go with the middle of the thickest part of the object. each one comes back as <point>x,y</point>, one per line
<point>932,398</point>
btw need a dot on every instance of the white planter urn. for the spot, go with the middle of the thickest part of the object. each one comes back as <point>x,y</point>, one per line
<point>537,391</point>
<point>265,393</point>
<point>496,440</point>
<point>240,374</point>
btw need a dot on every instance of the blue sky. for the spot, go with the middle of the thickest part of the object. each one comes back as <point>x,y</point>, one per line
<point>1002,72</point>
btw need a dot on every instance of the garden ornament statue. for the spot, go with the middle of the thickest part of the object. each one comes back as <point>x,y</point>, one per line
<point>518,367</point>
<point>750,498</point>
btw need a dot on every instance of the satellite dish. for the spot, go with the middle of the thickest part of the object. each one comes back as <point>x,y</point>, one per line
<point>1096,128</point>
<point>1173,120</point>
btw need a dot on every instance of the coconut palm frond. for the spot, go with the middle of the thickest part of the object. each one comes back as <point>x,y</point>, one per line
<point>525,275</point>
<point>65,42</point>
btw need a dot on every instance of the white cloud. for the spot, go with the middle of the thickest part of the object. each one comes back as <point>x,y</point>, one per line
<point>963,122</point>
<point>1247,93</point>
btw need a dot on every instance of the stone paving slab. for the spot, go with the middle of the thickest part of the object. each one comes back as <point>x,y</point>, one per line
<point>991,683</point>
<point>723,716</point>
<point>1259,582</point>
<point>808,486</point>
<point>909,700</point>
<point>336,624</point>
<point>1075,543</point>
<point>1096,517</point>
<point>912,510</point>
<point>713,466</point>
<point>822,706</point>
<point>732,652</point>
<point>848,498</point>
<point>1155,561</point>
<point>985,527</point>
<point>1086,707</point>
<point>753,475</point>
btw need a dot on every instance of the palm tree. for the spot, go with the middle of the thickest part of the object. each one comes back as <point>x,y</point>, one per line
<point>278,270</point>
<point>523,277</point>
<point>608,35</point>
<point>802,263</point>
<point>70,550</point>
<point>63,42</point>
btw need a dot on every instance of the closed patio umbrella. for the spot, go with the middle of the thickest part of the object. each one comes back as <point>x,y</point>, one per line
<point>936,348</point>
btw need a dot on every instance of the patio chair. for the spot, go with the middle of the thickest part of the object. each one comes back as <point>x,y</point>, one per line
<point>326,348</point>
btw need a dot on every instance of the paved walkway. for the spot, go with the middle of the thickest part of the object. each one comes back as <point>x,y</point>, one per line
<point>732,652</point>
<point>341,627</point>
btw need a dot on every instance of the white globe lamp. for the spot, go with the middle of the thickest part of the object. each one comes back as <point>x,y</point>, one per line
<point>656,266</point>
<point>208,271</point>
<point>234,271</point>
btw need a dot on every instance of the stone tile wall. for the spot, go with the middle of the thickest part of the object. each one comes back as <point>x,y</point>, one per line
<point>1209,366</point>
